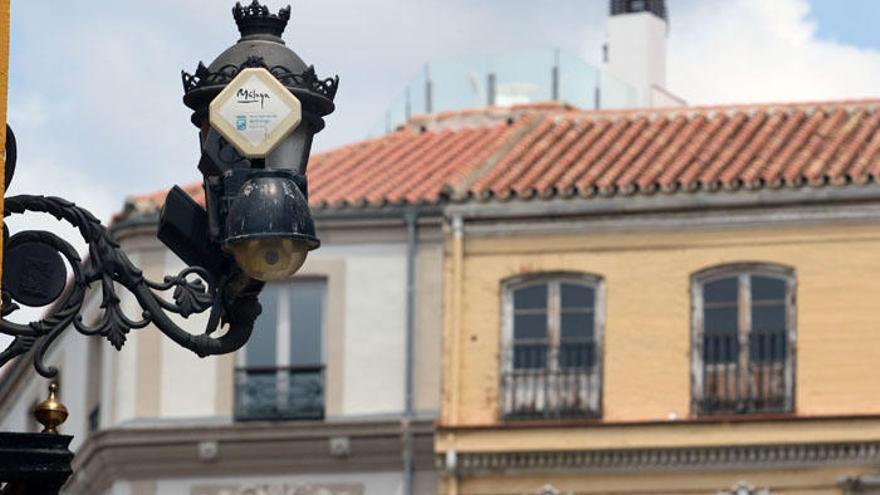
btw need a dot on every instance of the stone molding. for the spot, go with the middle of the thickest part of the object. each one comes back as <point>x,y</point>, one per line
<point>281,489</point>
<point>246,449</point>
<point>867,483</point>
<point>696,458</point>
<point>744,488</point>
<point>677,220</point>
<point>851,196</point>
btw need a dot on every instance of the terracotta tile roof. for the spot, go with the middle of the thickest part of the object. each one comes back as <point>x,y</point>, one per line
<point>150,203</point>
<point>552,150</point>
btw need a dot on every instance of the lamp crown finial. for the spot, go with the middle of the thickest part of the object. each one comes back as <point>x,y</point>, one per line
<point>256,19</point>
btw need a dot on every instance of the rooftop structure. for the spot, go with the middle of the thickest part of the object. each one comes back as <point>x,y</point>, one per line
<point>547,151</point>
<point>506,80</point>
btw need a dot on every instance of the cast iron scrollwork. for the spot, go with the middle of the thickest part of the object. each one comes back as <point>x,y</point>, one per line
<point>34,261</point>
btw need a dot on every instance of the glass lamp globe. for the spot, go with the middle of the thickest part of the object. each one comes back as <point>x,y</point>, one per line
<point>269,229</point>
<point>269,260</point>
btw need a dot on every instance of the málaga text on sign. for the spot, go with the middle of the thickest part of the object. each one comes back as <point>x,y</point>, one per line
<point>255,112</point>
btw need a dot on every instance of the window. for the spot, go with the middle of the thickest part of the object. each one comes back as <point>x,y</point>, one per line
<point>744,335</point>
<point>637,6</point>
<point>282,372</point>
<point>93,387</point>
<point>94,419</point>
<point>551,349</point>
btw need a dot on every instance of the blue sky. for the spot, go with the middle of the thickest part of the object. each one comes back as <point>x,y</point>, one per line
<point>848,21</point>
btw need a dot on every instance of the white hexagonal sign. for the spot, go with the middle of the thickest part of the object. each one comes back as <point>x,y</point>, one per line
<point>255,112</point>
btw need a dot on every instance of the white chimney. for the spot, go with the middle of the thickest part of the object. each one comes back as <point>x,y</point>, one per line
<point>636,50</point>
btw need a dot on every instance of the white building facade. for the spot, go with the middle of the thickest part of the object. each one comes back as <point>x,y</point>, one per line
<point>318,402</point>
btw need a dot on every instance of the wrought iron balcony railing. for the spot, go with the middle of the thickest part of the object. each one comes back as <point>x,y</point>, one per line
<point>543,382</point>
<point>279,393</point>
<point>745,381</point>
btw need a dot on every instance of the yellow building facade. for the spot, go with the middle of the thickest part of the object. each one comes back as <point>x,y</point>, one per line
<point>4,85</point>
<point>728,344</point>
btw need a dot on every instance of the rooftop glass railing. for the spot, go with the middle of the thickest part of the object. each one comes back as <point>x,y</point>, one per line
<point>505,80</point>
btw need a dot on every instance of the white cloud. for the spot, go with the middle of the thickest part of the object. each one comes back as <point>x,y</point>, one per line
<point>96,90</point>
<point>96,95</point>
<point>741,51</point>
<point>95,85</point>
<point>127,55</point>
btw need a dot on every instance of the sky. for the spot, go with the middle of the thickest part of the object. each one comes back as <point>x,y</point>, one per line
<point>95,91</point>
<point>847,21</point>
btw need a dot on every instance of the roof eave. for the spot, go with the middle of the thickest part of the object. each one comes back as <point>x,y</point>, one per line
<point>661,202</point>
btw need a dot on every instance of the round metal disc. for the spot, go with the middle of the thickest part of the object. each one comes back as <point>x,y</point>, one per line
<point>34,273</point>
<point>10,156</point>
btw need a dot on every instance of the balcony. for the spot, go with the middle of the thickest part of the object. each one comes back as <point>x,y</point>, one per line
<point>279,393</point>
<point>542,382</point>
<point>754,381</point>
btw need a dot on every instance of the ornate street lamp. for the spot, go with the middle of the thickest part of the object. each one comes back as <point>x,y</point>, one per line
<point>257,107</point>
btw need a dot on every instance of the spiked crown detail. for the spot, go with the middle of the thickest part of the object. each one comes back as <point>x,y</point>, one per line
<point>260,46</point>
<point>256,19</point>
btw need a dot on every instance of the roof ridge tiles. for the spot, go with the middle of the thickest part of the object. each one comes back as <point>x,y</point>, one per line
<point>426,164</point>
<point>687,165</point>
<point>550,150</point>
<point>642,169</point>
<point>782,144</point>
<point>518,147</point>
<point>870,151</point>
<point>446,169</point>
<point>531,153</point>
<point>570,130</point>
<point>618,150</point>
<point>353,183</point>
<point>524,127</point>
<point>812,141</point>
<point>476,157</point>
<point>845,159</point>
<point>715,155</point>
<point>379,185</point>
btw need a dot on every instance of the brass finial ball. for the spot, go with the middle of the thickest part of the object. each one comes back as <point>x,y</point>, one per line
<point>51,413</point>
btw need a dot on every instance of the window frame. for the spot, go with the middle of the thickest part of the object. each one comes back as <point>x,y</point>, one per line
<point>284,326</point>
<point>554,280</point>
<point>743,271</point>
<point>283,334</point>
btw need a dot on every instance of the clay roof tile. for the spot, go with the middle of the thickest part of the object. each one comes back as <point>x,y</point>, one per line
<point>547,150</point>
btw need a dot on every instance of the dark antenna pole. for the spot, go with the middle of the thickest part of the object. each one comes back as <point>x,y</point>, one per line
<point>555,76</point>
<point>490,89</point>
<point>429,91</point>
